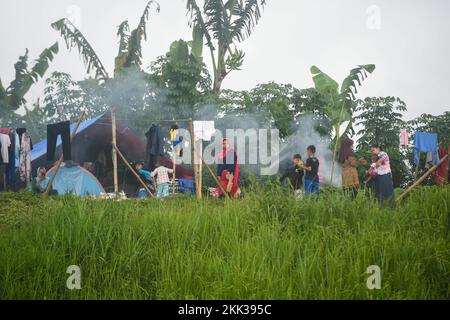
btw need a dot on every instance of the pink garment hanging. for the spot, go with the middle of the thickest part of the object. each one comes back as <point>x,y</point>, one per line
<point>404,137</point>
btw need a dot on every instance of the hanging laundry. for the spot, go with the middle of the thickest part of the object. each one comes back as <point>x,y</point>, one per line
<point>404,137</point>
<point>204,130</point>
<point>11,168</point>
<point>155,146</point>
<point>426,142</point>
<point>5,142</point>
<point>176,140</point>
<point>5,130</point>
<point>25,158</point>
<point>17,149</point>
<point>53,130</point>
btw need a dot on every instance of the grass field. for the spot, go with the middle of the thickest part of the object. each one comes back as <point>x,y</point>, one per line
<point>266,246</point>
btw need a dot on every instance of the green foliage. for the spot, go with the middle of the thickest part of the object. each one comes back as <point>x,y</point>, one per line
<point>380,121</point>
<point>75,39</point>
<point>130,45</point>
<point>14,96</point>
<point>437,124</point>
<point>266,246</point>
<point>223,25</point>
<point>339,104</point>
<point>271,104</point>
<point>181,79</point>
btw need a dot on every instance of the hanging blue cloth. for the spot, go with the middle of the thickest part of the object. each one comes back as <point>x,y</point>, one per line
<point>426,142</point>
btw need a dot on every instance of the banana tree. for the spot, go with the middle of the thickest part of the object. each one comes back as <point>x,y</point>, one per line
<point>223,24</point>
<point>130,45</point>
<point>13,96</point>
<point>340,102</point>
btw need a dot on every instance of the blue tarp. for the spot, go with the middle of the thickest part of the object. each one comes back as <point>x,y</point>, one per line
<point>76,181</point>
<point>40,148</point>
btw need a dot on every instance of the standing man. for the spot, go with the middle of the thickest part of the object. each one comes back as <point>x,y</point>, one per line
<point>295,174</point>
<point>312,172</point>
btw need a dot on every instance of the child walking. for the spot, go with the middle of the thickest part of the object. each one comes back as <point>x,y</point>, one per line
<point>312,172</point>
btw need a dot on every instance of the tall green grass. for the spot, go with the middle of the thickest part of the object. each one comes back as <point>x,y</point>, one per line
<point>265,246</point>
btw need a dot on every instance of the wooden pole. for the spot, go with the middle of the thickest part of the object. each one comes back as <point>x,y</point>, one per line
<point>200,166</point>
<point>132,170</point>
<point>215,179</point>
<point>193,153</point>
<point>415,184</point>
<point>114,142</point>
<point>174,169</point>
<point>58,165</point>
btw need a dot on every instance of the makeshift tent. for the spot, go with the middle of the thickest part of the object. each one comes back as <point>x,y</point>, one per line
<point>77,181</point>
<point>94,136</point>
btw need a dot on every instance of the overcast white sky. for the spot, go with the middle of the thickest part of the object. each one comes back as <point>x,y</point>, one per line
<point>406,39</point>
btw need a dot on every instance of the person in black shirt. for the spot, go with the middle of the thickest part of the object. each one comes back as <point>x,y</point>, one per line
<point>312,172</point>
<point>295,173</point>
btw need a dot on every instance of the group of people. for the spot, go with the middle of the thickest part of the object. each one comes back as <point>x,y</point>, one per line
<point>309,171</point>
<point>227,172</point>
<point>303,176</point>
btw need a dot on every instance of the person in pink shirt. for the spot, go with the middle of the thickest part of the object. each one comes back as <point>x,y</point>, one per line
<point>384,187</point>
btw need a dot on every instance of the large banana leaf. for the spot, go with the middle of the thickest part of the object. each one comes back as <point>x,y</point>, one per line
<point>75,39</point>
<point>24,79</point>
<point>248,16</point>
<point>355,79</point>
<point>130,45</point>
<point>198,21</point>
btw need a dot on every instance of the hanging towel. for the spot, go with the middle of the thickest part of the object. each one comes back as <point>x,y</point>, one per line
<point>5,142</point>
<point>404,137</point>
<point>426,142</point>
<point>204,130</point>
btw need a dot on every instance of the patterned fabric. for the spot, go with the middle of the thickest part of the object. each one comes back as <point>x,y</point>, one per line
<point>385,166</point>
<point>350,177</point>
<point>162,175</point>
<point>25,158</point>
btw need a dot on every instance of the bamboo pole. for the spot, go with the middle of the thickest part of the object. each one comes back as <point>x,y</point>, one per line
<point>200,167</point>
<point>174,169</point>
<point>215,179</point>
<point>58,165</point>
<point>415,184</point>
<point>114,142</point>
<point>132,170</point>
<point>193,153</point>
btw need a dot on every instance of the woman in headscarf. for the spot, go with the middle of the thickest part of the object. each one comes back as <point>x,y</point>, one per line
<point>228,160</point>
<point>350,179</point>
<point>228,185</point>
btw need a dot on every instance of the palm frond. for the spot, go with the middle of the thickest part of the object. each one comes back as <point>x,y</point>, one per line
<point>75,39</point>
<point>24,79</point>
<point>43,62</point>
<point>124,36</point>
<point>249,15</point>
<point>134,54</point>
<point>218,21</point>
<point>196,19</point>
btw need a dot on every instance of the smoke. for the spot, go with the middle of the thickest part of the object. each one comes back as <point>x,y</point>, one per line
<point>305,135</point>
